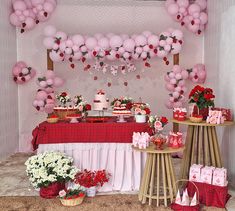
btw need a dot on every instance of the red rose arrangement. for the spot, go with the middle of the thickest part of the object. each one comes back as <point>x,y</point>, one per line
<point>89,179</point>
<point>157,123</point>
<point>123,101</point>
<point>71,193</point>
<point>203,97</point>
<point>142,109</point>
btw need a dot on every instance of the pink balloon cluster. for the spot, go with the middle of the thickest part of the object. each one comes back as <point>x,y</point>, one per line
<point>22,73</point>
<point>123,48</point>
<point>175,83</point>
<point>45,98</point>
<point>193,16</point>
<point>27,13</point>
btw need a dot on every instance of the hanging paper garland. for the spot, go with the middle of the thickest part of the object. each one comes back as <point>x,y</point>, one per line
<point>45,98</point>
<point>193,16</point>
<point>22,73</point>
<point>110,47</point>
<point>27,13</point>
<point>175,83</point>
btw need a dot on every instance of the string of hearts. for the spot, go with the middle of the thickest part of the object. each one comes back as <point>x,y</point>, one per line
<point>175,83</point>
<point>27,13</point>
<point>99,49</point>
<point>191,15</point>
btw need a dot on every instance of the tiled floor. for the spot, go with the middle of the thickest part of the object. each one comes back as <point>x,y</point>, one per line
<point>14,181</point>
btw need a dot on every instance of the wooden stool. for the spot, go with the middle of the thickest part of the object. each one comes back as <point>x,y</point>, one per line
<point>201,145</point>
<point>158,180</point>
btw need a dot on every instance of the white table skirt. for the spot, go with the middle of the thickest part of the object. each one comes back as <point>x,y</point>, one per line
<point>124,164</point>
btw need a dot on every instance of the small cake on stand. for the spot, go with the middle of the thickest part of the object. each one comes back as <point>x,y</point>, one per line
<point>121,113</point>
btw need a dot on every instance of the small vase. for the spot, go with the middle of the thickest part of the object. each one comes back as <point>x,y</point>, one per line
<point>159,140</point>
<point>52,190</point>
<point>140,118</point>
<point>91,192</point>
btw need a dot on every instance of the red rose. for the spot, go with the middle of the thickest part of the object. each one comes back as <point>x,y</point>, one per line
<point>88,107</point>
<point>195,98</point>
<point>63,94</point>
<point>81,195</point>
<point>147,110</point>
<point>129,106</point>
<point>164,120</point>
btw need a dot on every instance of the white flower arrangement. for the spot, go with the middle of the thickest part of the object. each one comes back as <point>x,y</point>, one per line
<point>48,167</point>
<point>63,98</point>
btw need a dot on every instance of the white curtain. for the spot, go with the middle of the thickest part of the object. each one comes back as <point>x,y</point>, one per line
<point>124,164</point>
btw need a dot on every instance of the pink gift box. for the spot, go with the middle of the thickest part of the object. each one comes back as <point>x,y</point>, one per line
<point>226,113</point>
<point>207,174</point>
<point>220,177</point>
<point>195,172</point>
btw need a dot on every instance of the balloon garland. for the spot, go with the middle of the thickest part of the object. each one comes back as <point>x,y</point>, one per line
<point>45,97</point>
<point>111,47</point>
<point>193,16</point>
<point>175,83</point>
<point>27,13</point>
<point>22,73</point>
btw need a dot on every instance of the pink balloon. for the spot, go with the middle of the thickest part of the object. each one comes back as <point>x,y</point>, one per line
<point>147,33</point>
<point>58,82</point>
<point>193,28</point>
<point>91,43</point>
<point>178,76</point>
<point>55,56</point>
<point>115,41</point>
<point>176,48</point>
<point>203,18</point>
<point>169,87</point>
<point>19,5</point>
<point>28,4</point>
<point>49,90</point>
<point>61,35</point>
<point>50,101</point>
<point>140,40</point>
<point>173,9</point>
<point>48,42</point>
<point>35,103</point>
<point>129,45</point>
<point>41,103</point>
<point>161,53</point>
<point>104,43</point>
<point>183,3</point>
<point>171,75</point>
<point>173,81</point>
<point>77,55</point>
<point>14,20</point>
<point>175,94</point>
<point>184,74</point>
<point>169,104</point>
<point>21,64</point>
<point>202,4</point>
<point>168,2</point>
<point>32,73</point>
<point>42,84</point>
<point>181,83</point>
<point>193,8</point>
<point>37,2</point>
<point>176,69</point>
<point>16,70</point>
<point>177,34</point>
<point>166,78</point>
<point>177,104</point>
<point>48,7</point>
<point>49,108</point>
<point>49,31</point>
<point>78,40</point>
<point>153,40</point>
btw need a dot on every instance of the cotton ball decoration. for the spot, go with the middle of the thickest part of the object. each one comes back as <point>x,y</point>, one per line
<point>22,73</point>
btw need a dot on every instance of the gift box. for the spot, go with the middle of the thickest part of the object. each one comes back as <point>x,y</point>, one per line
<point>140,140</point>
<point>175,140</point>
<point>220,177</point>
<point>195,172</point>
<point>226,113</point>
<point>207,174</point>
<point>215,117</point>
<point>180,114</point>
<point>210,195</point>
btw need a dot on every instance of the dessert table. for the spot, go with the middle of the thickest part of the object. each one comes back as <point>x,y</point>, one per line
<point>201,144</point>
<point>95,146</point>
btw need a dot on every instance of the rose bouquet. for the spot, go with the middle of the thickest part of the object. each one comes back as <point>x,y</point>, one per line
<point>142,109</point>
<point>89,179</point>
<point>122,101</point>
<point>72,197</point>
<point>157,123</point>
<point>63,98</point>
<point>49,167</point>
<point>81,104</point>
<point>203,97</point>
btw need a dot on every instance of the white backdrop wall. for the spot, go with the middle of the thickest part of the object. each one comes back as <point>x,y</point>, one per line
<point>219,60</point>
<point>90,17</point>
<point>8,91</point>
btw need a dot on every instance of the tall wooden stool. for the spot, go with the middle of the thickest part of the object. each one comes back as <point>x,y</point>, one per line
<point>201,146</point>
<point>158,180</point>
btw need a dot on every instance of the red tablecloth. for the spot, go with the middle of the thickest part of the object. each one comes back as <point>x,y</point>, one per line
<point>108,132</point>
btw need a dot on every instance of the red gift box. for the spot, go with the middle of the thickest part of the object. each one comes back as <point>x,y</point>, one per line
<point>179,114</point>
<point>210,195</point>
<point>226,113</point>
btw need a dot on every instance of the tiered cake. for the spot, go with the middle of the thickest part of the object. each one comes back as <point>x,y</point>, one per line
<point>100,101</point>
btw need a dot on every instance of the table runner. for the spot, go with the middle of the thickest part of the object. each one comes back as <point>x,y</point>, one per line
<point>108,132</point>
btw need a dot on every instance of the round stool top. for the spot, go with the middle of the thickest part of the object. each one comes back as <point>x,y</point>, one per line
<point>203,123</point>
<point>152,149</point>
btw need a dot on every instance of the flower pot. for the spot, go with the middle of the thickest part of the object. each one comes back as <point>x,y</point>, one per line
<point>140,118</point>
<point>72,202</point>
<point>203,111</point>
<point>52,190</point>
<point>91,192</point>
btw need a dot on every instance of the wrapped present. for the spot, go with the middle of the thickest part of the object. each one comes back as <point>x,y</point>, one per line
<point>175,140</point>
<point>207,174</point>
<point>215,117</point>
<point>140,140</point>
<point>220,177</point>
<point>180,114</point>
<point>226,113</point>
<point>195,172</point>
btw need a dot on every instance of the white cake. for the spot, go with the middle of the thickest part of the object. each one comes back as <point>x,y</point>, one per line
<point>100,101</point>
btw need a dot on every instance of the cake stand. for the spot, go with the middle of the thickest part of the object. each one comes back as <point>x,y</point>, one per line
<point>121,117</point>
